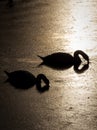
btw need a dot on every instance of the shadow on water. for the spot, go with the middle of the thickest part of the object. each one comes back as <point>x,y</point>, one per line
<point>21,79</point>
<point>62,61</point>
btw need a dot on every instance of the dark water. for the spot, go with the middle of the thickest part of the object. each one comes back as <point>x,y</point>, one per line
<point>42,27</point>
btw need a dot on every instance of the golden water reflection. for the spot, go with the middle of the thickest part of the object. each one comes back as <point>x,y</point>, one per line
<point>84,27</point>
<point>62,25</point>
<point>77,28</point>
<point>80,34</point>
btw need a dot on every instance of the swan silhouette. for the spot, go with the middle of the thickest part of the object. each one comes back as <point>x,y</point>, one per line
<point>61,60</point>
<point>23,80</point>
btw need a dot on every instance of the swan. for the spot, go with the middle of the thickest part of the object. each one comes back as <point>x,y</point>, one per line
<point>23,80</point>
<point>60,60</point>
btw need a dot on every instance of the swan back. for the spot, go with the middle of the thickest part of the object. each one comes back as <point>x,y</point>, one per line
<point>58,60</point>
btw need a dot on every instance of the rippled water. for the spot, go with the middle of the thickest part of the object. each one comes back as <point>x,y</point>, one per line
<point>42,27</point>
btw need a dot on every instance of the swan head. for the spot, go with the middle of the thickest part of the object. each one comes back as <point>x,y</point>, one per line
<point>77,59</point>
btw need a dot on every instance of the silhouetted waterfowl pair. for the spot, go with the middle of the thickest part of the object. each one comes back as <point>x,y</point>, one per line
<point>65,60</point>
<point>23,80</point>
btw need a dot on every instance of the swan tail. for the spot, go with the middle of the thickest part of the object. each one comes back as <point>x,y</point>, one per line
<point>40,64</point>
<point>7,73</point>
<point>6,81</point>
<point>40,57</point>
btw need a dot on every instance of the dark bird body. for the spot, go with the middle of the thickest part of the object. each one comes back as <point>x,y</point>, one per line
<point>62,60</point>
<point>21,79</point>
<point>58,60</point>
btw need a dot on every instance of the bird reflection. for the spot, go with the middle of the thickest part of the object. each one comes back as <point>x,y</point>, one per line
<point>23,80</point>
<point>61,61</point>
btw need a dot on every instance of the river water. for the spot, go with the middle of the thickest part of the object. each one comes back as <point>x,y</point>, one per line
<point>41,27</point>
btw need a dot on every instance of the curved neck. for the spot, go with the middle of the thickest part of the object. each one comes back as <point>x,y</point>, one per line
<point>77,59</point>
<point>83,54</point>
<point>76,53</point>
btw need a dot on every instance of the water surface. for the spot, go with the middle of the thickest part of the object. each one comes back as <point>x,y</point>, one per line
<point>36,27</point>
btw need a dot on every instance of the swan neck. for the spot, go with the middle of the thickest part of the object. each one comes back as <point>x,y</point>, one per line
<point>76,54</point>
<point>77,59</point>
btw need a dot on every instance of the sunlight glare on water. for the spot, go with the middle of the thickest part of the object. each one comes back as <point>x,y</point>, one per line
<point>83,27</point>
<point>42,27</point>
<point>80,34</point>
<point>79,30</point>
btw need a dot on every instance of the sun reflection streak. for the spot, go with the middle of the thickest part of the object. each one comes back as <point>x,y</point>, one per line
<point>77,28</point>
<point>83,27</point>
<point>80,34</point>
